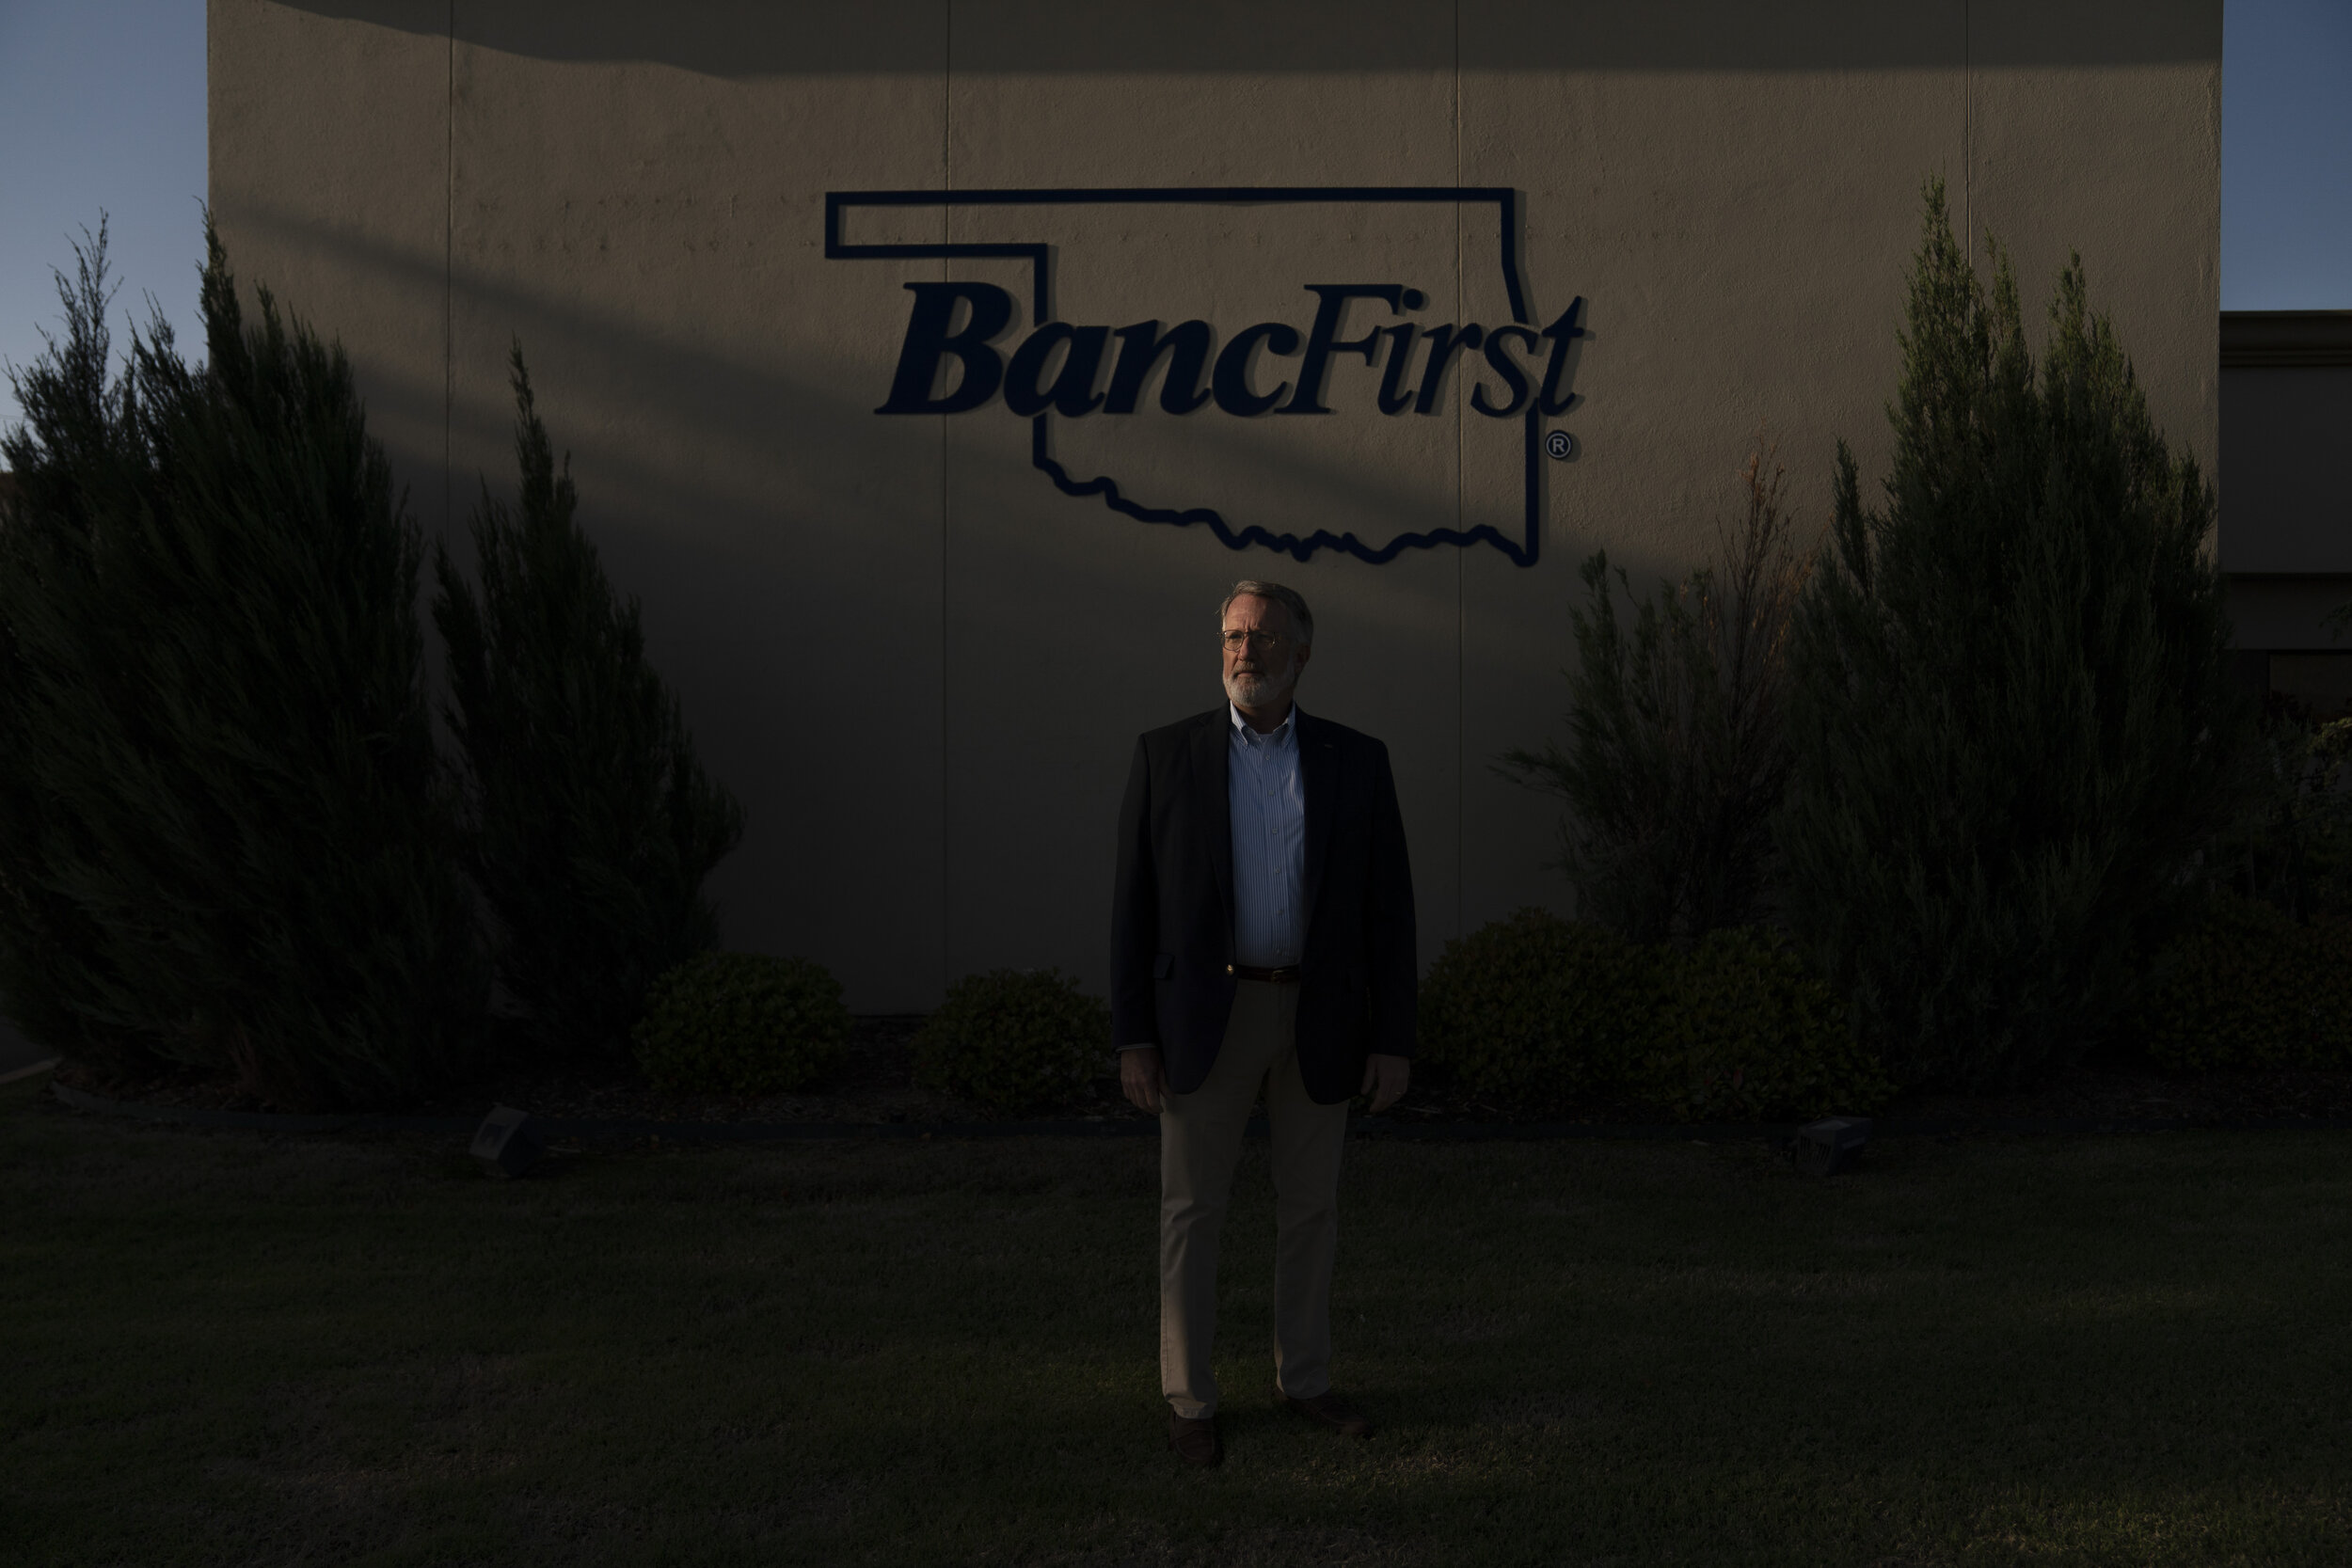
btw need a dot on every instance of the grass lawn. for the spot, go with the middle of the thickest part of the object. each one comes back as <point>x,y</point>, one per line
<point>222,1349</point>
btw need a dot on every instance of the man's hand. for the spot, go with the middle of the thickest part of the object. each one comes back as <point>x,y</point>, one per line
<point>1385,1080</point>
<point>1144,1077</point>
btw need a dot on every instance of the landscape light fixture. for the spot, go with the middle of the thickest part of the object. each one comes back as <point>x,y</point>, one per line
<point>507,1143</point>
<point>1826,1147</point>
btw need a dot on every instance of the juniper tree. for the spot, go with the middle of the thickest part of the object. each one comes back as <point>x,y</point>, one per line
<point>1676,753</point>
<point>2013,728</point>
<point>80,449</point>
<point>594,823</point>
<point>224,835</point>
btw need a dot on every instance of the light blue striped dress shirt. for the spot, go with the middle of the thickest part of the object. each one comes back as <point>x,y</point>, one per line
<point>1270,810</point>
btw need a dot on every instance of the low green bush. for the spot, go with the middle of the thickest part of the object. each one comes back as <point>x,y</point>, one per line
<point>1528,1010</point>
<point>1015,1040</point>
<point>742,1022</point>
<point>1746,1032</point>
<point>2293,847</point>
<point>2247,986</point>
<point>1535,1010</point>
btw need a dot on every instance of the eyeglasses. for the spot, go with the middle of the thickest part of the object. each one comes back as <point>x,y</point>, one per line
<point>1236,641</point>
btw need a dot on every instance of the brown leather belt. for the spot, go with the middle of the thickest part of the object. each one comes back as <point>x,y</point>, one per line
<point>1287,976</point>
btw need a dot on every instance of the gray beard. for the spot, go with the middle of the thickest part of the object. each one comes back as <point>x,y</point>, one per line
<point>1258,690</point>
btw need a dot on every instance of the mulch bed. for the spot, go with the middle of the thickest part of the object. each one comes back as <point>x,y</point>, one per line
<point>874,1083</point>
<point>2136,1091</point>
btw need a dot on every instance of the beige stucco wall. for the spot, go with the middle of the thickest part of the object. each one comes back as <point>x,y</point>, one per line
<point>920,665</point>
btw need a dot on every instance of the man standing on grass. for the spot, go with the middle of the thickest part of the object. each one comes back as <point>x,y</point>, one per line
<point>1261,937</point>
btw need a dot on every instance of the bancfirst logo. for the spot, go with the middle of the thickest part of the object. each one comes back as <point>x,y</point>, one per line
<point>1060,366</point>
<point>956,354</point>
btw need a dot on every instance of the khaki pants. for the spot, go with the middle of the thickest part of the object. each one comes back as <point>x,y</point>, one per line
<point>1200,1136</point>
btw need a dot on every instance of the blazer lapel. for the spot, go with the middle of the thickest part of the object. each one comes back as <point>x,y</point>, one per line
<point>1212,757</point>
<point>1319,776</point>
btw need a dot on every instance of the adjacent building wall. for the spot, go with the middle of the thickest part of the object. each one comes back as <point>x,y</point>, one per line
<point>2287,539</point>
<point>919,664</point>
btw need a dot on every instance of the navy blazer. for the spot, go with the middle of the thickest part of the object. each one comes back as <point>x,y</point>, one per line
<point>1172,915</point>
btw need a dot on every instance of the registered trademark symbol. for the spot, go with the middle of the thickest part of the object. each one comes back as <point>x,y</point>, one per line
<point>1560,444</point>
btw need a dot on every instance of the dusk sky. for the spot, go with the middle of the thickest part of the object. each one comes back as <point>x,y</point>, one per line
<point>102,109</point>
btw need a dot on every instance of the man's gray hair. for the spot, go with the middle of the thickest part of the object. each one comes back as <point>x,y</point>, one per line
<point>1289,598</point>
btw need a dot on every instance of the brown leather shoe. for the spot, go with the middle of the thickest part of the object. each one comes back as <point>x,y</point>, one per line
<point>1195,1442</point>
<point>1332,1411</point>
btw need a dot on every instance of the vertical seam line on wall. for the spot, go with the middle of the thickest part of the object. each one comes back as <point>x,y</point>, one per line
<point>1968,137</point>
<point>449,277</point>
<point>1461,521</point>
<point>946,181</point>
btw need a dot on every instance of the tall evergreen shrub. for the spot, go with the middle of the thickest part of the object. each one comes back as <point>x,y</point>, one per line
<point>594,823</point>
<point>1677,752</point>
<point>2293,850</point>
<point>2012,730</point>
<point>224,838</point>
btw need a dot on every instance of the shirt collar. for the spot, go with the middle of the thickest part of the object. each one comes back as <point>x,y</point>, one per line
<point>1285,733</point>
